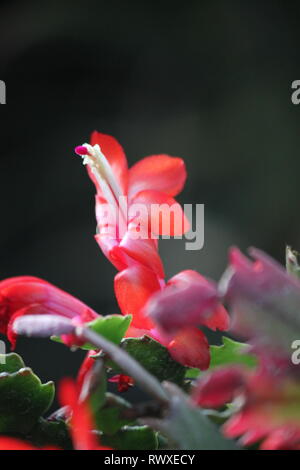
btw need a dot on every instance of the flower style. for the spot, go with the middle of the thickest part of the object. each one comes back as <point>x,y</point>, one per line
<point>266,402</point>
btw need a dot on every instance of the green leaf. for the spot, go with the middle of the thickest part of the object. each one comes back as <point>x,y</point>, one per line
<point>23,397</point>
<point>10,363</point>
<point>111,327</point>
<point>51,433</point>
<point>132,438</point>
<point>187,427</point>
<point>155,358</point>
<point>109,418</point>
<point>230,352</point>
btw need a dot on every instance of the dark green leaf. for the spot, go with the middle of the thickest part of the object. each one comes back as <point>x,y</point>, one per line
<point>109,418</point>
<point>10,363</point>
<point>51,433</point>
<point>132,438</point>
<point>23,398</point>
<point>155,358</point>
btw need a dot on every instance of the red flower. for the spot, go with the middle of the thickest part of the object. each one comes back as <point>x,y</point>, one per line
<point>123,381</point>
<point>141,293</point>
<point>266,402</point>
<point>27,295</point>
<point>153,180</point>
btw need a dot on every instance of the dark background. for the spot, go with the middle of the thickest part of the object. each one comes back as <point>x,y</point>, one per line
<point>206,80</point>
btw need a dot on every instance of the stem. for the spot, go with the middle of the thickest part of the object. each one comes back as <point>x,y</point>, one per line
<point>146,381</point>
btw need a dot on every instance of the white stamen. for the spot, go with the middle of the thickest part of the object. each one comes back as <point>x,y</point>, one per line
<point>104,175</point>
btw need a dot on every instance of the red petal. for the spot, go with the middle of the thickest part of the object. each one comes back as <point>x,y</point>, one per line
<point>190,347</point>
<point>21,293</point>
<point>133,287</point>
<point>143,251</point>
<point>218,387</point>
<point>85,367</point>
<point>81,421</point>
<point>164,221</point>
<point>185,278</point>
<point>29,295</point>
<point>159,172</point>
<point>10,443</point>
<point>219,319</point>
<point>115,155</point>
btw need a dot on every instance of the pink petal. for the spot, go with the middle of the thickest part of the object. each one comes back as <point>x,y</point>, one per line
<point>133,287</point>
<point>172,223</point>
<point>219,387</point>
<point>143,251</point>
<point>158,172</point>
<point>190,347</point>
<point>115,155</point>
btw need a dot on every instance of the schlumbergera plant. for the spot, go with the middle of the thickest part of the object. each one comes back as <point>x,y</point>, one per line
<point>197,396</point>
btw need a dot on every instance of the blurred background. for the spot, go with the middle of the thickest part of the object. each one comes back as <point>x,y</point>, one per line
<point>209,81</point>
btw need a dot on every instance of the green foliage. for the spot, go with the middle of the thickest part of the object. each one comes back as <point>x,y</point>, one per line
<point>109,418</point>
<point>230,352</point>
<point>51,433</point>
<point>132,438</point>
<point>111,327</point>
<point>23,397</point>
<point>155,358</point>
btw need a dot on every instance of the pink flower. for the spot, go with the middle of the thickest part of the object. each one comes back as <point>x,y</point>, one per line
<point>153,180</point>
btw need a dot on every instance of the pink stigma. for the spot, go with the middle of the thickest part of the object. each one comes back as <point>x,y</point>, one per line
<point>81,150</point>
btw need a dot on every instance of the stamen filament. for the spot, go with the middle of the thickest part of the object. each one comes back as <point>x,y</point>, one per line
<point>93,156</point>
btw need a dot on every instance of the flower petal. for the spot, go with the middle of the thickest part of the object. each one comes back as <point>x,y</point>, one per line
<point>115,155</point>
<point>26,295</point>
<point>174,308</point>
<point>81,422</point>
<point>190,347</point>
<point>10,443</point>
<point>165,215</point>
<point>219,387</point>
<point>159,172</point>
<point>133,287</point>
<point>143,251</point>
